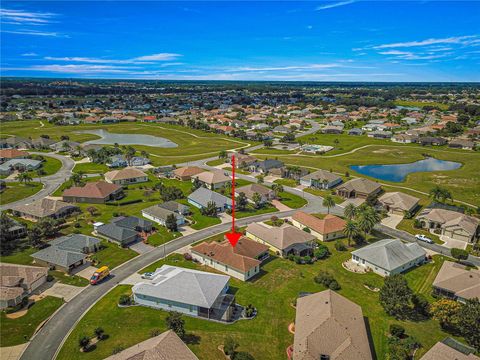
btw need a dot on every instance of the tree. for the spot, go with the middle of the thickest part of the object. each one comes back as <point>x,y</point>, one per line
<point>241,201</point>
<point>459,254</point>
<point>6,237</point>
<point>222,154</point>
<point>260,179</point>
<point>129,153</point>
<point>350,211</point>
<point>48,227</point>
<point>34,236</point>
<point>436,192</point>
<point>76,179</point>
<point>328,202</point>
<point>277,189</point>
<point>92,210</point>
<point>257,200</point>
<point>196,184</point>
<point>176,323</point>
<point>267,143</point>
<point>396,296</point>
<point>230,346</point>
<point>144,154</point>
<point>469,325</point>
<point>210,209</point>
<point>351,230</point>
<point>99,333</point>
<point>445,311</point>
<point>84,342</point>
<point>171,223</point>
<point>24,177</point>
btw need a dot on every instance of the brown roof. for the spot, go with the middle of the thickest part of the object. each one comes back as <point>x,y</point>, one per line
<point>440,351</point>
<point>329,324</point>
<point>98,189</point>
<point>43,207</point>
<point>188,171</point>
<point>127,173</point>
<point>12,276</point>
<point>329,224</point>
<point>249,248</point>
<point>166,346</point>
<point>12,153</point>
<point>212,177</point>
<point>399,200</point>
<point>226,254</point>
<point>456,278</point>
<point>360,185</point>
<point>280,237</point>
<point>251,189</point>
<point>451,219</point>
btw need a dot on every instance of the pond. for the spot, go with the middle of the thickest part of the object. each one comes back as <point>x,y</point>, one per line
<point>398,172</point>
<point>107,138</point>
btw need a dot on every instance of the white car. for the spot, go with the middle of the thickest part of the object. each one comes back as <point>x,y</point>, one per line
<point>147,275</point>
<point>422,237</point>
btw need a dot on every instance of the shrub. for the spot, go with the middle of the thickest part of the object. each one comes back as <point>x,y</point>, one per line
<point>77,225</point>
<point>459,254</point>
<point>117,349</point>
<point>397,330</point>
<point>242,355</point>
<point>321,252</point>
<point>249,310</point>
<point>297,259</point>
<point>124,300</point>
<point>187,256</point>
<point>230,346</point>
<point>50,278</point>
<point>340,246</point>
<point>307,259</point>
<point>327,280</point>
<point>306,229</point>
<point>334,285</point>
<point>155,332</point>
<point>84,341</point>
<point>99,333</point>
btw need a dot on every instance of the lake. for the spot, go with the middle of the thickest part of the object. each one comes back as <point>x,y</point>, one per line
<point>108,138</point>
<point>398,172</point>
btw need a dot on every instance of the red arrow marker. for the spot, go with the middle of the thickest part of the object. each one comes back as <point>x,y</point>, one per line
<point>233,236</point>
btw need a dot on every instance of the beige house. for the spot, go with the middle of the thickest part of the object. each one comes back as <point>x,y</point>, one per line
<point>126,176</point>
<point>329,326</point>
<point>249,190</point>
<point>326,229</point>
<point>359,188</point>
<point>212,179</point>
<point>19,281</point>
<point>283,240</point>
<point>441,351</point>
<point>453,224</point>
<point>186,173</point>
<point>43,208</point>
<point>455,281</point>
<point>162,347</point>
<point>398,203</point>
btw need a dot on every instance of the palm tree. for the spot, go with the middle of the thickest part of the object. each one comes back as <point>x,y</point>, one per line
<point>76,179</point>
<point>328,202</point>
<point>350,211</point>
<point>351,230</point>
<point>129,153</point>
<point>436,192</point>
<point>277,189</point>
<point>446,195</point>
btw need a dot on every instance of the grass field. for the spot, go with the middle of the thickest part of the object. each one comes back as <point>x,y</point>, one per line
<point>272,293</point>
<point>420,104</point>
<point>191,143</point>
<point>16,191</point>
<point>68,279</point>
<point>20,330</point>
<point>291,200</point>
<point>463,183</point>
<point>50,166</point>
<point>324,193</point>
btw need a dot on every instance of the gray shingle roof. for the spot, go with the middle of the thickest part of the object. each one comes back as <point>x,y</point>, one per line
<point>60,257</point>
<point>117,233</point>
<point>132,222</point>
<point>159,212</point>
<point>203,196</point>
<point>175,207</point>
<point>390,254</point>
<point>184,285</point>
<point>75,242</point>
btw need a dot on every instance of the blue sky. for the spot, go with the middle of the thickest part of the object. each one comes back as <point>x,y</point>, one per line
<point>341,40</point>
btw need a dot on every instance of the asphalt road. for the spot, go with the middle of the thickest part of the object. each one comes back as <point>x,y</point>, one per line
<point>50,183</point>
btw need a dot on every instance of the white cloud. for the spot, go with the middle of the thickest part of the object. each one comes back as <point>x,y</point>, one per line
<point>283,68</point>
<point>334,5</point>
<point>77,69</point>
<point>147,59</point>
<point>30,54</point>
<point>25,17</point>
<point>463,40</point>
<point>35,33</point>
<point>158,57</point>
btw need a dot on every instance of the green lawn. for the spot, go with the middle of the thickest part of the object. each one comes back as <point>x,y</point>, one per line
<point>68,279</point>
<point>272,293</point>
<point>20,330</point>
<point>251,211</point>
<point>91,168</point>
<point>16,191</point>
<point>420,104</point>
<point>324,193</point>
<point>291,200</point>
<point>162,236</point>
<point>407,225</point>
<point>198,220</point>
<point>286,182</point>
<point>216,162</point>
<point>50,166</point>
<point>113,255</point>
<point>21,256</point>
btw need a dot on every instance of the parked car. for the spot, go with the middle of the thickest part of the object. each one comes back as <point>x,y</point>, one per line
<point>423,238</point>
<point>99,275</point>
<point>147,275</point>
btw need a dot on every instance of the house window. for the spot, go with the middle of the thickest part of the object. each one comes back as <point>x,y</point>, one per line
<point>324,357</point>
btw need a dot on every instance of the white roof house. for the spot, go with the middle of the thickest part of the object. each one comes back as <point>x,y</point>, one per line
<point>389,256</point>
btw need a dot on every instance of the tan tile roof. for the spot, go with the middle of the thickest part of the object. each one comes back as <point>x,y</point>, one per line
<point>399,200</point>
<point>13,275</point>
<point>12,153</point>
<point>166,346</point>
<point>249,248</point>
<point>188,171</point>
<point>456,278</point>
<point>226,254</point>
<point>280,237</point>
<point>42,208</point>
<point>327,225</point>
<point>212,177</point>
<point>451,219</point>
<point>98,189</point>
<point>440,351</point>
<point>127,173</point>
<point>251,189</point>
<point>361,185</point>
<point>327,323</point>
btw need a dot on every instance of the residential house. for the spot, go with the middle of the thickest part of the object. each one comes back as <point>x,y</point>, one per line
<point>202,196</point>
<point>186,173</point>
<point>19,165</point>
<point>213,179</point>
<point>389,256</point>
<point>175,207</point>
<point>125,230</point>
<point>162,347</point>
<point>455,281</point>
<point>9,154</point>
<point>116,161</point>
<point>432,141</point>
<point>241,261</point>
<point>242,160</point>
<point>359,188</point>
<point>266,194</point>
<point>464,144</point>
<point>398,203</point>
<point>404,138</point>
<point>64,145</point>
<point>43,208</point>
<point>328,326</point>
<point>139,161</point>
<point>15,142</point>
<point>190,292</point>
<point>126,176</point>
<point>98,192</point>
<point>321,179</point>
<point>16,230</point>
<point>19,281</point>
<point>355,132</point>
<point>380,134</point>
<point>332,129</point>
<point>67,252</point>
<point>159,215</point>
<point>265,166</point>
<point>283,240</point>
<point>450,349</point>
<point>326,229</point>
<point>42,143</point>
<point>452,224</point>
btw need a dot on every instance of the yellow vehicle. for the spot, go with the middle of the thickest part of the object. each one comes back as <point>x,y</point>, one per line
<point>99,275</point>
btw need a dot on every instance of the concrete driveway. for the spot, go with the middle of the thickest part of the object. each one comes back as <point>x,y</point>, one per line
<point>141,248</point>
<point>85,272</point>
<point>12,352</point>
<point>225,218</point>
<point>186,230</point>
<point>63,291</point>
<point>392,220</point>
<point>132,279</point>
<point>280,206</point>
<point>453,243</point>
